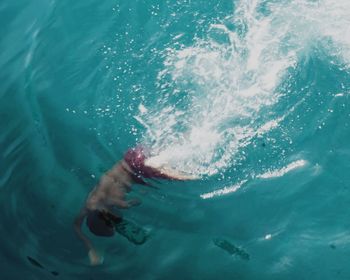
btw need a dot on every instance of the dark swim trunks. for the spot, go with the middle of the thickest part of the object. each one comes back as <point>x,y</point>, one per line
<point>104,223</point>
<point>101,223</point>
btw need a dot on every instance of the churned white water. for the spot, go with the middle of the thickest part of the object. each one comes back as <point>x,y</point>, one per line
<point>226,82</point>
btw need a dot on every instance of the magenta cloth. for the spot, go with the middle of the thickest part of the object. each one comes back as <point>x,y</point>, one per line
<point>135,158</point>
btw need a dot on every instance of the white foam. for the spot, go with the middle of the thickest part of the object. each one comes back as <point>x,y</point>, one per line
<point>282,171</point>
<point>142,109</point>
<point>221,86</point>
<point>223,191</point>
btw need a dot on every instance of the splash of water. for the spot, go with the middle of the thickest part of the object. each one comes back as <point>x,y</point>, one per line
<point>214,92</point>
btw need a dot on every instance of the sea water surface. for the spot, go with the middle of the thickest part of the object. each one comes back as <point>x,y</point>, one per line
<point>252,96</point>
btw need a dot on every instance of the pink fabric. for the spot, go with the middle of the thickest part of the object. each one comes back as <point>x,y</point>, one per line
<point>135,158</point>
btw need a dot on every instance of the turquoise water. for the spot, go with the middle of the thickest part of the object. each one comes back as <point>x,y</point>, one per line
<point>252,96</point>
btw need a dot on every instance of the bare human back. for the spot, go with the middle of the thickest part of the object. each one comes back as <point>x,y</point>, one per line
<point>111,192</point>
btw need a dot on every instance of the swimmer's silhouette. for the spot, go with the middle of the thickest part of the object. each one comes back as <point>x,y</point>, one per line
<point>111,191</point>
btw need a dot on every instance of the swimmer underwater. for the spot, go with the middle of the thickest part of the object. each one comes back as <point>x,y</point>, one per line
<point>110,193</point>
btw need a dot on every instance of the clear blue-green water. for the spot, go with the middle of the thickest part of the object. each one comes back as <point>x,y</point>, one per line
<point>252,96</point>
